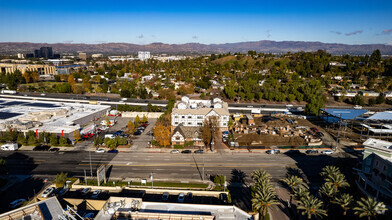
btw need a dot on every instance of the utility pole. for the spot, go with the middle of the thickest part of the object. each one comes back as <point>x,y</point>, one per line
<point>203,168</point>
<point>85,176</point>
<point>152,180</point>
<point>337,137</point>
<point>91,167</point>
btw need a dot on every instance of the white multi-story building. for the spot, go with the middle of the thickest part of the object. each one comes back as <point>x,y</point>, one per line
<point>143,55</point>
<point>192,113</point>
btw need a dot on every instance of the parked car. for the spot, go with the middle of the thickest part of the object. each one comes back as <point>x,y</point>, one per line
<point>63,191</point>
<point>312,151</point>
<point>181,197</point>
<point>314,129</point>
<point>111,136</point>
<point>186,152</point>
<point>41,148</point>
<point>85,191</point>
<point>104,128</point>
<point>55,149</point>
<point>174,151</point>
<point>138,132</point>
<point>124,135</point>
<point>189,197</point>
<point>118,133</point>
<point>47,192</point>
<point>165,197</point>
<point>273,151</point>
<point>223,198</point>
<point>320,134</point>
<point>96,193</point>
<point>104,194</point>
<point>327,152</point>
<point>100,151</point>
<point>199,152</point>
<point>89,215</point>
<point>113,151</point>
<point>17,203</point>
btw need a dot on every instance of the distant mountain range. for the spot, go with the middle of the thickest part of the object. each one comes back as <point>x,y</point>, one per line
<point>196,48</point>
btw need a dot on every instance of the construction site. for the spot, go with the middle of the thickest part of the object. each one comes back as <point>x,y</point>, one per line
<point>266,131</point>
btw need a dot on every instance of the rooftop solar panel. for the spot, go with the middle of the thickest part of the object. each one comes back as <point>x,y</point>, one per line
<point>13,103</point>
<point>43,105</point>
<point>7,115</point>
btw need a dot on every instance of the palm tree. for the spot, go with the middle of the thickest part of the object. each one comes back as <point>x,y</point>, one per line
<point>337,180</point>
<point>328,190</point>
<point>329,170</point>
<point>260,176</point>
<point>312,207</point>
<point>293,182</point>
<point>262,199</point>
<point>301,192</point>
<point>369,207</point>
<point>345,200</point>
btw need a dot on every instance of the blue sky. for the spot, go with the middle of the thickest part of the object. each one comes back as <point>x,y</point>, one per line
<point>143,22</point>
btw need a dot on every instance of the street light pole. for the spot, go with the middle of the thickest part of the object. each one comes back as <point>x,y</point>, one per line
<point>203,168</point>
<point>152,180</point>
<point>91,167</point>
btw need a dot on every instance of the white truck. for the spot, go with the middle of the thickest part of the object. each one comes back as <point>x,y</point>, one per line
<point>11,92</point>
<point>9,146</point>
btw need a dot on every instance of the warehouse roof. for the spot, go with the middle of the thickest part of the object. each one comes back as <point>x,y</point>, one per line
<point>345,114</point>
<point>381,116</point>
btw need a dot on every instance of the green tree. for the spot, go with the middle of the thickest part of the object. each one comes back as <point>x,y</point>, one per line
<point>3,166</point>
<point>63,141</point>
<point>76,135</point>
<point>369,207</point>
<point>54,140</point>
<point>311,206</point>
<point>98,141</point>
<point>32,141</point>
<point>344,201</point>
<point>293,182</point>
<point>21,139</point>
<point>61,178</point>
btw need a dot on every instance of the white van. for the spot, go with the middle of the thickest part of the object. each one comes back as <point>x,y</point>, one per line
<point>10,146</point>
<point>111,136</point>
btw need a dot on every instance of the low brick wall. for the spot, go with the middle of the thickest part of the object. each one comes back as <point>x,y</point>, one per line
<point>147,114</point>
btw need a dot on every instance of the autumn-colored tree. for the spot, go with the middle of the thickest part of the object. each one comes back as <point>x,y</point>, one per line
<point>86,84</point>
<point>78,89</point>
<point>97,78</point>
<point>26,76</point>
<point>209,129</point>
<point>137,120</point>
<point>162,135</point>
<point>63,78</point>
<point>71,80</point>
<point>144,119</point>
<point>34,76</point>
<point>76,135</point>
<point>130,127</point>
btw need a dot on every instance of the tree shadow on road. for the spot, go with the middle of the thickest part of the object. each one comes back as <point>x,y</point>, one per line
<point>239,191</point>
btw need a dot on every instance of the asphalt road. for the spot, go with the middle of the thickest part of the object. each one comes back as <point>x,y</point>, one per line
<point>164,165</point>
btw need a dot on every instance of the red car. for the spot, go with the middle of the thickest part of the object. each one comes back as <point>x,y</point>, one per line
<point>314,130</point>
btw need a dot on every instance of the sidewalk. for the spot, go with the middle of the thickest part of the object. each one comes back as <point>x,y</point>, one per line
<point>280,212</point>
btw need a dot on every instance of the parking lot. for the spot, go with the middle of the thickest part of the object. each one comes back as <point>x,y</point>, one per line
<point>148,197</point>
<point>140,142</point>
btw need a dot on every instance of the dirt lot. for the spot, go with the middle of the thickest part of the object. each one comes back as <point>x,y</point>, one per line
<point>273,123</point>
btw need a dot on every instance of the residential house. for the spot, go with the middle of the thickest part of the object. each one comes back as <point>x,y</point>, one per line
<point>192,113</point>
<point>182,135</point>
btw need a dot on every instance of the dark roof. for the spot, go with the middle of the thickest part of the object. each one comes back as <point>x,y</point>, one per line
<point>188,132</point>
<point>345,114</point>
